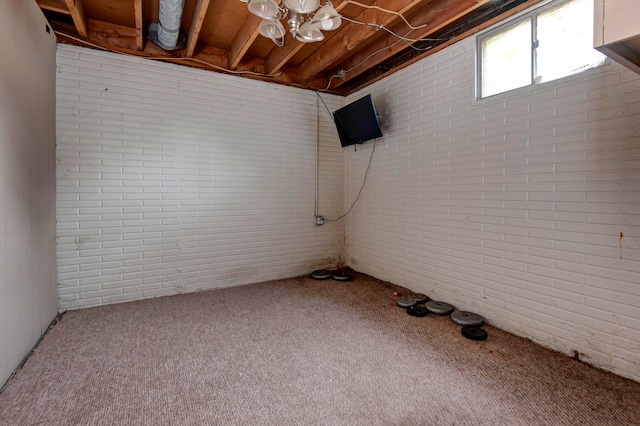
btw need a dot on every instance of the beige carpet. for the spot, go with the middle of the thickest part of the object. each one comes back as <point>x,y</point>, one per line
<point>297,352</point>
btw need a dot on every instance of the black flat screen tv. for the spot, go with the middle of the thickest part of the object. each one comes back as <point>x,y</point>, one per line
<point>357,122</point>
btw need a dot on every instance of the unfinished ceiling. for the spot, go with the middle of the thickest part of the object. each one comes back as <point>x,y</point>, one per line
<point>222,36</point>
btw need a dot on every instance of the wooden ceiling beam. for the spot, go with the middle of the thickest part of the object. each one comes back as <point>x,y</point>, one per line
<point>281,55</point>
<point>243,40</point>
<point>438,15</point>
<point>420,55</point>
<point>59,6</point>
<point>199,13</point>
<point>76,8</point>
<point>137,9</point>
<point>351,36</point>
<point>122,39</point>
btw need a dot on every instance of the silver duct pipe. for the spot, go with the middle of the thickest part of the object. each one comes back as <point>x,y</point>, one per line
<point>170,19</point>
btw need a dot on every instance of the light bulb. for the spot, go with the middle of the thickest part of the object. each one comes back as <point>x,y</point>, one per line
<point>327,17</point>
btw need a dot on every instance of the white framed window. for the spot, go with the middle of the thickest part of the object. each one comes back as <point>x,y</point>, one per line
<point>546,43</point>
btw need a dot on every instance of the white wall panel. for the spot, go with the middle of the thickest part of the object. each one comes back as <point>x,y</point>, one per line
<point>27,181</point>
<point>511,206</point>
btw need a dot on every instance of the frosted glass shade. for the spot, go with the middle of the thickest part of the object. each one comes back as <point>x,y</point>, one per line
<point>273,30</point>
<point>309,33</point>
<point>327,17</point>
<point>302,6</point>
<point>266,9</point>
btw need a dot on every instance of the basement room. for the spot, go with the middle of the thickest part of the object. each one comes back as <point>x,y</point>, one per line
<point>320,212</point>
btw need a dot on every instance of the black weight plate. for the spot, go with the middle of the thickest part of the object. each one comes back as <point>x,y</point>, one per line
<point>405,302</point>
<point>341,276</point>
<point>474,333</point>
<point>321,274</point>
<point>439,308</point>
<point>465,318</point>
<point>419,297</point>
<point>417,311</point>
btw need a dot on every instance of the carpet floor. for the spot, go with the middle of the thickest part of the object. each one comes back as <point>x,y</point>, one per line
<point>297,352</point>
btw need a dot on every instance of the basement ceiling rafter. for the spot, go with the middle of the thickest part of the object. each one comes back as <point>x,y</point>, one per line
<point>137,7</point>
<point>223,36</point>
<point>442,13</point>
<point>76,9</point>
<point>197,19</point>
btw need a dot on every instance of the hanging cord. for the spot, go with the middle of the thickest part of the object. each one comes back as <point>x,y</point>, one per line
<point>408,41</point>
<point>365,173</point>
<point>325,105</point>
<point>361,188</point>
<point>317,153</point>
<point>393,12</point>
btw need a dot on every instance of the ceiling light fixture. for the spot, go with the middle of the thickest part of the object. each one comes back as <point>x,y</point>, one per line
<point>306,29</point>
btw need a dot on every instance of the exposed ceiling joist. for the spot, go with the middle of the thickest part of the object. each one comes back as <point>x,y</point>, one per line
<point>351,36</point>
<point>137,8</point>
<point>76,8</point>
<point>243,40</point>
<point>59,6</point>
<point>197,19</point>
<point>223,36</point>
<point>511,7</point>
<point>441,14</point>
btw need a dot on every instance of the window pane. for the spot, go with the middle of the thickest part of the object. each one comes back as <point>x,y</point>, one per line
<point>565,41</point>
<point>506,59</point>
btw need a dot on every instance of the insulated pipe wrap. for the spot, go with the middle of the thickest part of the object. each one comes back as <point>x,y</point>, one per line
<point>170,18</point>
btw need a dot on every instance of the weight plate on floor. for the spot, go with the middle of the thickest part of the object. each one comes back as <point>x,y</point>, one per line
<point>341,276</point>
<point>405,302</point>
<point>419,297</point>
<point>417,311</point>
<point>439,308</point>
<point>474,333</point>
<point>465,318</point>
<point>321,274</point>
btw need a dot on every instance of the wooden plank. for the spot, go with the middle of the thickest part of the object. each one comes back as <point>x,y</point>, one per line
<point>280,56</point>
<point>113,37</point>
<point>243,40</point>
<point>122,39</point>
<point>438,15</point>
<point>351,36</point>
<point>199,13</point>
<point>137,8</point>
<point>59,6</point>
<point>76,8</point>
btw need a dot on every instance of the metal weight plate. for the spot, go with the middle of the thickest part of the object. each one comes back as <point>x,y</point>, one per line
<point>465,318</point>
<point>405,302</point>
<point>321,274</point>
<point>474,333</point>
<point>417,311</point>
<point>419,297</point>
<point>341,276</point>
<point>439,308</point>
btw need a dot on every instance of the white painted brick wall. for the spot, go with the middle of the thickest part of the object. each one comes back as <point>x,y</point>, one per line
<point>511,206</point>
<point>171,179</point>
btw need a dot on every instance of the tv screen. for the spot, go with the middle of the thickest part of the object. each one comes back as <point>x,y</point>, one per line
<point>357,122</point>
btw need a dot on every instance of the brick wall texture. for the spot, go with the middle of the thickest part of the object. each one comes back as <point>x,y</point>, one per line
<point>171,179</point>
<point>523,207</point>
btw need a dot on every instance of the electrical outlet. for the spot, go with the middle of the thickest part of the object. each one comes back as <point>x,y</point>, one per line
<point>319,220</point>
